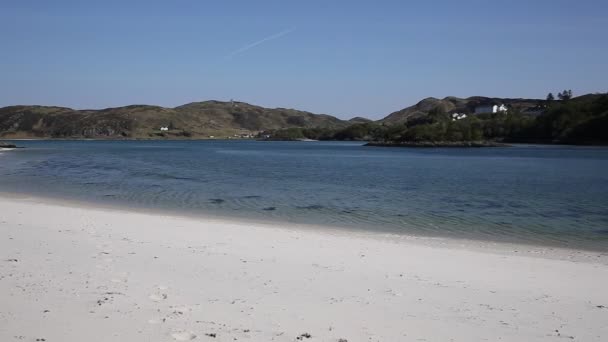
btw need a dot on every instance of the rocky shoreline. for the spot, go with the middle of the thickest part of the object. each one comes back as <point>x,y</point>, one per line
<point>437,144</point>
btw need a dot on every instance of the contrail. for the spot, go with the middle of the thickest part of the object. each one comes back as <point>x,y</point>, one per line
<point>261,41</point>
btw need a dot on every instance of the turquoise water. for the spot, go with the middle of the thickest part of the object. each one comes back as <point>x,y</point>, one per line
<point>552,195</point>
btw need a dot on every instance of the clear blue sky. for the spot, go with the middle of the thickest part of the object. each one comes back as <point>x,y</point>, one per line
<point>346,58</point>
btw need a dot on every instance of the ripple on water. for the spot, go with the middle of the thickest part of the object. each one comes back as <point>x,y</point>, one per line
<point>525,194</point>
<point>311,207</point>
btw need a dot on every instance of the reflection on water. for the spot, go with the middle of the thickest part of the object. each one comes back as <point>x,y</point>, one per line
<point>537,194</point>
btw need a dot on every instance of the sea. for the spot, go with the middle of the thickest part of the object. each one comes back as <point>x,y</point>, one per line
<point>535,194</point>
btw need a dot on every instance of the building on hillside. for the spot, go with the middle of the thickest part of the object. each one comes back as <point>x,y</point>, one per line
<point>458,116</point>
<point>163,129</point>
<point>491,109</point>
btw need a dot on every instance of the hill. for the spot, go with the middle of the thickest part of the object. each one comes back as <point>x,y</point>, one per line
<point>193,120</point>
<point>579,120</point>
<point>452,105</point>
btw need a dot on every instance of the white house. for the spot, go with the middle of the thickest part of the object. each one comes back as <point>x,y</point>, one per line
<point>164,128</point>
<point>458,116</point>
<point>491,109</point>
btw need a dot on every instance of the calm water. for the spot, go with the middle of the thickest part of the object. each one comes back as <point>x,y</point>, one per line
<point>536,194</point>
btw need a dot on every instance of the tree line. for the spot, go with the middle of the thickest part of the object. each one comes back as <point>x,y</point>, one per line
<point>564,96</point>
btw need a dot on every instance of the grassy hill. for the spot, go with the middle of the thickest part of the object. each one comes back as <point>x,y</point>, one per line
<point>452,105</point>
<point>193,120</point>
<point>580,120</point>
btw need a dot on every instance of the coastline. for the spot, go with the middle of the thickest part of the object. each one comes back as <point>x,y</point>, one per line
<point>462,144</point>
<point>70,273</point>
<point>480,243</point>
<point>426,144</point>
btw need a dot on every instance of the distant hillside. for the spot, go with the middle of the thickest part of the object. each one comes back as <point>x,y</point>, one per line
<point>193,120</point>
<point>359,119</point>
<point>579,120</point>
<point>453,104</point>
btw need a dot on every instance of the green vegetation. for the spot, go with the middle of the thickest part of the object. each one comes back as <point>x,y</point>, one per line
<point>571,120</point>
<point>191,121</point>
<point>581,120</point>
<point>355,132</point>
<point>431,128</point>
<point>565,95</point>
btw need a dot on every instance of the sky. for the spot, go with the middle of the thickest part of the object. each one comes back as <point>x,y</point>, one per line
<point>344,58</point>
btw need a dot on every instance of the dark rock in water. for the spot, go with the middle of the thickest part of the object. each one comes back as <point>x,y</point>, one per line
<point>7,145</point>
<point>270,208</point>
<point>217,200</point>
<point>252,196</point>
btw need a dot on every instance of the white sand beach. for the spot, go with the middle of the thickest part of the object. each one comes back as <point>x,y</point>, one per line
<point>76,273</point>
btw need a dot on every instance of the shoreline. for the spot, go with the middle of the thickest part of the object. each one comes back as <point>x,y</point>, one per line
<point>506,143</point>
<point>481,244</point>
<point>73,273</point>
<point>433,144</point>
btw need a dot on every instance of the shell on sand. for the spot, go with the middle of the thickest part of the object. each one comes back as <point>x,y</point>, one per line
<point>183,336</point>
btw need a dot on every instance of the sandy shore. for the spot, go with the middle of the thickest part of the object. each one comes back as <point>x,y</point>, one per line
<point>72,273</point>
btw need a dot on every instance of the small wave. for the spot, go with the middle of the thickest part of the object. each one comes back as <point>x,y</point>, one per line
<point>312,207</point>
<point>162,176</point>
